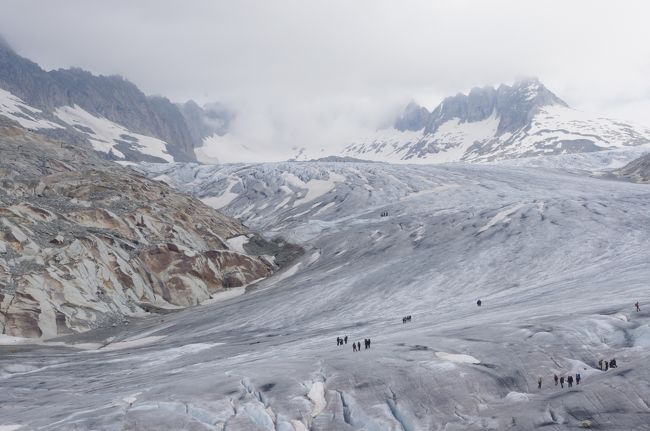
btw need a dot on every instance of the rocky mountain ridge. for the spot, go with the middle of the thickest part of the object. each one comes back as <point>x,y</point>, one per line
<point>488,124</point>
<point>107,111</point>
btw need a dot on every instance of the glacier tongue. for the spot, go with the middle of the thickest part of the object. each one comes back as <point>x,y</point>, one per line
<point>558,268</point>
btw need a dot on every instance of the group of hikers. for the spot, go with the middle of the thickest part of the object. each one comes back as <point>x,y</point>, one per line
<point>406,319</point>
<point>560,380</point>
<point>384,214</point>
<point>356,346</point>
<point>570,379</point>
<point>608,365</point>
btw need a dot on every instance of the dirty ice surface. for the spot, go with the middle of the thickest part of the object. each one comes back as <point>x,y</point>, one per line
<point>558,260</point>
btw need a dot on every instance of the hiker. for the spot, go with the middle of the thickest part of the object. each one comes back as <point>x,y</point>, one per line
<point>539,383</point>
<point>612,363</point>
<point>600,364</point>
<point>562,382</point>
<point>606,365</point>
<point>577,378</point>
<point>555,378</point>
<point>338,341</point>
<point>637,306</point>
<point>368,342</point>
<point>478,302</point>
<point>569,380</point>
<point>403,319</point>
<point>354,347</point>
<point>346,339</point>
<point>359,346</point>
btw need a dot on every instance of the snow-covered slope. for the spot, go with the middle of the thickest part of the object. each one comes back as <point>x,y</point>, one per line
<point>27,116</point>
<point>113,140</point>
<point>524,120</point>
<point>108,137</point>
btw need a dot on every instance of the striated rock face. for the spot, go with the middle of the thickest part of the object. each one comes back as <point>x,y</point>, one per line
<point>85,242</point>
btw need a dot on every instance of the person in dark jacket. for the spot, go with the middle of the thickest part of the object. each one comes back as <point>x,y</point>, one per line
<point>562,382</point>
<point>606,365</point>
<point>539,383</point>
<point>346,339</point>
<point>359,346</point>
<point>569,381</point>
<point>577,378</point>
<point>354,347</point>
<point>556,379</point>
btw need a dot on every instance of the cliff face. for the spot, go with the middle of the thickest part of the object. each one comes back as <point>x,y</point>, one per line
<point>108,97</point>
<point>85,243</point>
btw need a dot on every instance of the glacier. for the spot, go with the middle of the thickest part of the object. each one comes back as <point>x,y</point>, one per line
<point>558,258</point>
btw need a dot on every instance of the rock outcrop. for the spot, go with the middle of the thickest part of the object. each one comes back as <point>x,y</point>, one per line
<point>637,170</point>
<point>85,243</point>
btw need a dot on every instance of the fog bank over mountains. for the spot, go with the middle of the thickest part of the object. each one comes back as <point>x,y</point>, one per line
<point>118,121</point>
<point>309,75</point>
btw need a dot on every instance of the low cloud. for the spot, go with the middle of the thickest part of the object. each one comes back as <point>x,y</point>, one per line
<point>314,74</point>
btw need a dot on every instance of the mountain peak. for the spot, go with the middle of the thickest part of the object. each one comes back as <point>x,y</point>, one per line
<point>4,45</point>
<point>533,89</point>
<point>513,105</point>
<point>413,118</point>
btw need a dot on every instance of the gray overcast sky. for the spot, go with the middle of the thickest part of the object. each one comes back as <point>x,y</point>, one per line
<point>300,70</point>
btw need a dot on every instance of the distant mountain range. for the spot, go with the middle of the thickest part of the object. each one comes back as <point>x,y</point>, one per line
<point>522,120</point>
<point>108,112</point>
<point>120,122</point>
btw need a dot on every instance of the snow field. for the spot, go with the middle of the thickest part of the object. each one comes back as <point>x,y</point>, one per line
<point>27,116</point>
<point>104,134</point>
